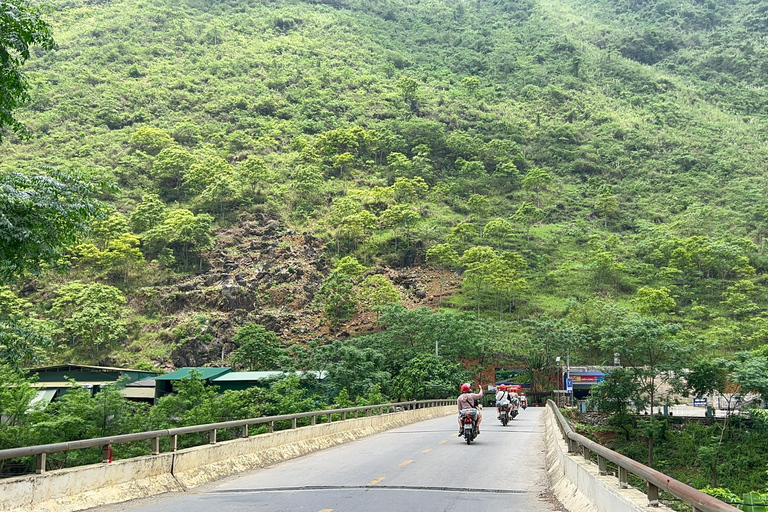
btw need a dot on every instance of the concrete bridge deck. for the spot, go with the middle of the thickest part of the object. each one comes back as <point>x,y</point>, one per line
<point>423,466</point>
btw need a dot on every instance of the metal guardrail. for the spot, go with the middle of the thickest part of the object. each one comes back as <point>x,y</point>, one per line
<point>40,451</point>
<point>655,480</point>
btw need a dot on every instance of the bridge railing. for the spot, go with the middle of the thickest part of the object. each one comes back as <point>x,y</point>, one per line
<point>40,451</point>
<point>655,480</point>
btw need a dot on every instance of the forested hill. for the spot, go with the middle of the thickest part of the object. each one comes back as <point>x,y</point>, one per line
<point>571,160</point>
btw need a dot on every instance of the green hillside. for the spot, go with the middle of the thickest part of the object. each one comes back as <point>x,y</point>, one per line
<point>571,161</point>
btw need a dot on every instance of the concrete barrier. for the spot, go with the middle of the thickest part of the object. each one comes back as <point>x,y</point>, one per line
<point>72,489</point>
<point>578,485</point>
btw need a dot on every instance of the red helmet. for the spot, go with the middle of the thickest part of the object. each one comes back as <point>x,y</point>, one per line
<point>503,387</point>
<point>465,388</point>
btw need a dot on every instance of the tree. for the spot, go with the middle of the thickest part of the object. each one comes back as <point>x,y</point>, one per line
<point>122,256</point>
<point>354,369</point>
<point>614,395</point>
<point>181,231</point>
<point>471,84</point>
<point>41,215</point>
<point>169,168</point>
<point>253,172</point>
<point>479,205</point>
<point>408,87</point>
<point>537,180</point>
<point>528,214</point>
<point>150,212</point>
<point>479,272</point>
<point>24,339</point>
<point>655,359</point>
<point>90,316</point>
<point>377,291</point>
<point>337,294</point>
<point>654,301</point>
<point>428,376</point>
<point>497,230</point>
<point>151,140</point>
<point>410,332</point>
<point>606,206</point>
<point>349,266</point>
<point>257,348</point>
<point>21,28</point>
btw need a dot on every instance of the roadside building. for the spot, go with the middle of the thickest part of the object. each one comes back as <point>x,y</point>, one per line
<point>238,381</point>
<point>165,383</point>
<point>53,381</point>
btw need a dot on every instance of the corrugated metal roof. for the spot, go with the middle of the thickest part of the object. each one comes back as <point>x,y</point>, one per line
<point>138,392</point>
<point>65,367</point>
<point>68,384</point>
<point>206,373</point>
<point>45,396</point>
<point>256,376</point>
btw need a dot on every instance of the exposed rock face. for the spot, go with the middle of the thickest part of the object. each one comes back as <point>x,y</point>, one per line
<point>262,272</point>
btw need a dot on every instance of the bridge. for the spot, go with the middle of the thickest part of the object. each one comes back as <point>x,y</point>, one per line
<point>378,458</point>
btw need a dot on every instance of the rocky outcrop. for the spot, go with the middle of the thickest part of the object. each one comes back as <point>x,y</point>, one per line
<point>263,272</point>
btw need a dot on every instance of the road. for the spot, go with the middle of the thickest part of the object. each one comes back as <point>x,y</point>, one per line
<point>423,467</point>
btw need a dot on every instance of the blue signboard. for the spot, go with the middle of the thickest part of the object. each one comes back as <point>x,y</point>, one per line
<point>699,402</point>
<point>569,385</point>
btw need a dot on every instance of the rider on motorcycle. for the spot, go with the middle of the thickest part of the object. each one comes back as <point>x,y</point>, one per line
<point>503,394</point>
<point>469,400</point>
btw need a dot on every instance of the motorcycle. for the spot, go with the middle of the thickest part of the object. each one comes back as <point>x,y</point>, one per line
<point>503,407</point>
<point>515,408</point>
<point>469,423</point>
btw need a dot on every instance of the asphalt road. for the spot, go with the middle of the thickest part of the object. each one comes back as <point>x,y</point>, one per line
<point>423,467</point>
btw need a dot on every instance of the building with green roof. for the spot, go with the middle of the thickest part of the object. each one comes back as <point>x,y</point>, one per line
<point>166,382</point>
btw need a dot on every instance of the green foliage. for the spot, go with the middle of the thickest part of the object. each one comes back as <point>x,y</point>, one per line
<point>22,27</point>
<point>90,317</point>
<point>185,233</point>
<point>40,215</point>
<point>257,348</point>
<point>337,295</point>
<point>428,376</point>
<point>24,338</point>
<point>376,291</point>
<point>150,140</point>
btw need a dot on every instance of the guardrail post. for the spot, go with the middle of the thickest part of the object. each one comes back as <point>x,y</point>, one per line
<point>602,465</point>
<point>293,422</point>
<point>155,445</point>
<point>330,418</point>
<point>623,480</point>
<point>245,431</point>
<point>271,426</point>
<point>106,453</point>
<point>344,415</point>
<point>573,446</point>
<point>174,442</point>
<point>586,453</point>
<point>314,420</point>
<point>653,495</point>
<point>212,437</point>
<point>40,463</point>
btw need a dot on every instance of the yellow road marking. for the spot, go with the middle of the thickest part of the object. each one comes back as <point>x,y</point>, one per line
<point>427,450</point>
<point>406,463</point>
<point>374,482</point>
<point>442,442</point>
<point>327,510</point>
<point>454,435</point>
